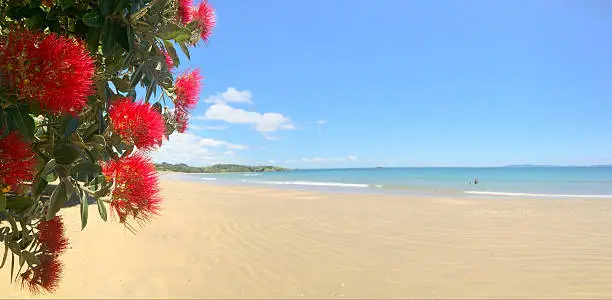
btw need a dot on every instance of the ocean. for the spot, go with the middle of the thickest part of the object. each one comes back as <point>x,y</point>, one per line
<point>552,182</point>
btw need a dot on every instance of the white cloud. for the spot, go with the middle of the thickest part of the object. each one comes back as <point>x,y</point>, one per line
<point>204,142</point>
<point>266,122</point>
<point>230,95</point>
<point>194,127</point>
<point>192,149</point>
<point>321,122</point>
<point>329,159</point>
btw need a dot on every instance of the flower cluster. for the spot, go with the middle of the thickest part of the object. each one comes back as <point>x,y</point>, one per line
<point>16,161</point>
<point>136,191</point>
<point>187,89</point>
<point>46,275</point>
<point>168,59</point>
<point>63,109</point>
<point>204,16</point>
<point>185,11</point>
<point>137,122</point>
<point>56,72</point>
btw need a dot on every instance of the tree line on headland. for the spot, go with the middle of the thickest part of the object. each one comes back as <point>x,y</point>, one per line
<point>218,168</point>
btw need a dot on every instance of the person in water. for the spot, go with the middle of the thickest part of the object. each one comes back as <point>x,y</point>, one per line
<point>476,180</point>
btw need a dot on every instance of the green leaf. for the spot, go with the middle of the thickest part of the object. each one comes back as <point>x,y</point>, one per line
<point>107,7</point>
<point>93,19</point>
<point>122,84</point>
<point>12,265</point>
<point>157,107</point>
<point>57,200</point>
<point>4,255</point>
<point>98,141</point>
<point>185,49</point>
<point>121,35</point>
<point>48,173</point>
<point>69,125</point>
<point>38,20</point>
<point>26,241</point>
<point>2,202</point>
<point>30,258</point>
<point>85,170</point>
<point>20,120</point>
<point>115,139</point>
<point>39,186</point>
<point>172,52</point>
<point>14,247</point>
<point>14,229</point>
<point>84,207</point>
<point>69,188</point>
<point>53,13</point>
<point>108,39</point>
<point>169,31</point>
<point>93,38</point>
<point>66,3</point>
<point>19,203</point>
<point>150,89</point>
<point>101,209</point>
<point>66,154</point>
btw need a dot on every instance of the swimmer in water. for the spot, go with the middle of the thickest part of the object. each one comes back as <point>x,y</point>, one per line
<point>476,180</point>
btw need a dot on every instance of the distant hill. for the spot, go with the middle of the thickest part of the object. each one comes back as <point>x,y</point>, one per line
<point>219,168</point>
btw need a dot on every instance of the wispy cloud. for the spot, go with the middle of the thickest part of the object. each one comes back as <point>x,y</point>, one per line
<point>329,159</point>
<point>192,149</point>
<point>231,95</point>
<point>220,127</point>
<point>321,122</point>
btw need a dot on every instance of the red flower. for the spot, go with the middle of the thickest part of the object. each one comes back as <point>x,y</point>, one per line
<point>204,15</point>
<point>137,122</point>
<point>169,61</point>
<point>187,89</point>
<point>55,71</point>
<point>182,119</point>
<point>136,191</point>
<point>45,276</point>
<point>185,11</point>
<point>51,235</point>
<point>16,160</point>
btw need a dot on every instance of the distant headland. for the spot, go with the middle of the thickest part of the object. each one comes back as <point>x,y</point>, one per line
<point>218,168</point>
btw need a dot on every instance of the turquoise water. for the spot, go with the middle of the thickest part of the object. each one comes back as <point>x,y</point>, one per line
<point>567,182</point>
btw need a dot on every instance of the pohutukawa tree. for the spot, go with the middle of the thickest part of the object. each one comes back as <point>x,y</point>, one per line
<point>72,125</point>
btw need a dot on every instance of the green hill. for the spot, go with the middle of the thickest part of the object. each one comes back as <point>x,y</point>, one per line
<point>219,168</point>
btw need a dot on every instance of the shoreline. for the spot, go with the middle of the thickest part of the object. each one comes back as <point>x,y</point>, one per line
<point>369,189</point>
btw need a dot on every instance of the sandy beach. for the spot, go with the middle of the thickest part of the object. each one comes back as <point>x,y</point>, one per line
<point>245,242</point>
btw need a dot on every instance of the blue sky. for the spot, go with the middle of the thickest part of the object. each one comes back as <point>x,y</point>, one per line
<point>351,83</point>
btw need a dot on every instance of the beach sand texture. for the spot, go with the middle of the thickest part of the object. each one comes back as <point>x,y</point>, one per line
<point>245,242</point>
